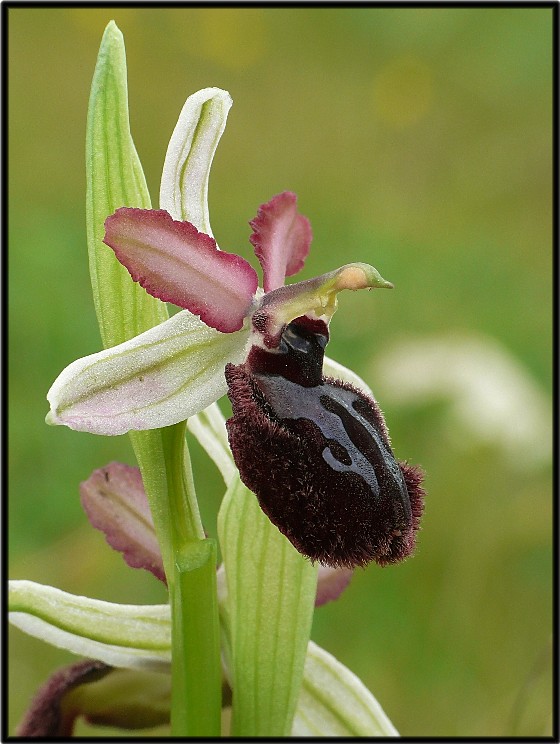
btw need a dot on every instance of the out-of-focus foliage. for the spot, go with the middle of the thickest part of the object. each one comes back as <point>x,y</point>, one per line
<point>416,139</point>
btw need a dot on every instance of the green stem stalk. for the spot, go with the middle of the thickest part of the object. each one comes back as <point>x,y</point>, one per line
<point>195,639</point>
<point>196,671</point>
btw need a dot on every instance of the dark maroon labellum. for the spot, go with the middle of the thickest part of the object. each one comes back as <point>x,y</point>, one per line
<point>316,453</point>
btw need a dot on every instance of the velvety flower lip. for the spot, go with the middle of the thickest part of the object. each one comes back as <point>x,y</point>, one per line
<point>176,263</point>
<point>325,473</point>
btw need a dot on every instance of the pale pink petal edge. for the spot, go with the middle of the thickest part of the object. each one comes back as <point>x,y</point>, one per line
<point>281,238</point>
<point>176,263</point>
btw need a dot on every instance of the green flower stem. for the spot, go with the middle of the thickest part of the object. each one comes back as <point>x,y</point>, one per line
<point>183,506</point>
<point>195,635</point>
<point>195,639</point>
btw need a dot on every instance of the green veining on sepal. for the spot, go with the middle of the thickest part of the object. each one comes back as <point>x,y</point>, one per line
<point>120,635</point>
<point>186,171</point>
<point>334,702</point>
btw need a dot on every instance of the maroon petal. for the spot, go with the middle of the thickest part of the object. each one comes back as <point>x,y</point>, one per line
<point>175,262</point>
<point>331,583</point>
<point>115,502</point>
<point>47,716</point>
<point>281,238</point>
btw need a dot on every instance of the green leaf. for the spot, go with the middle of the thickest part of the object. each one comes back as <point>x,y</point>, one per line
<point>131,636</point>
<point>334,702</point>
<point>114,179</point>
<point>271,595</point>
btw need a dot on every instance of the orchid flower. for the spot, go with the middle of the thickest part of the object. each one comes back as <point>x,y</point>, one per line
<point>267,346</point>
<point>176,369</point>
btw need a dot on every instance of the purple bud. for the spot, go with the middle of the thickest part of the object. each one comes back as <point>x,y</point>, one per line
<point>50,715</point>
<point>316,453</point>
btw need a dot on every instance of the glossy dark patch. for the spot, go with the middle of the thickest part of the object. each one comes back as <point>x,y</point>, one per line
<point>299,355</point>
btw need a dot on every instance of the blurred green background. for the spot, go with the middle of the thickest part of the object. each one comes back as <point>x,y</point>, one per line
<point>418,140</point>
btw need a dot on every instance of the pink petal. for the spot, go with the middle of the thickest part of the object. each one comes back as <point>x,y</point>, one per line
<point>331,583</point>
<point>178,264</point>
<point>281,238</point>
<point>115,502</point>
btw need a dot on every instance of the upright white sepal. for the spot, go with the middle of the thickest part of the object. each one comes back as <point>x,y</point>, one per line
<point>184,182</point>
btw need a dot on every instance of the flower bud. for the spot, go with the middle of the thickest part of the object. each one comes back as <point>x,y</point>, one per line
<point>316,453</point>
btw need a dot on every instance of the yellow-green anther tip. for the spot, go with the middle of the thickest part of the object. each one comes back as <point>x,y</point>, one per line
<point>360,276</point>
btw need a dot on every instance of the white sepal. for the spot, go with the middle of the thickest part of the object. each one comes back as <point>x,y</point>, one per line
<point>130,636</point>
<point>156,379</point>
<point>334,702</point>
<point>184,181</point>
